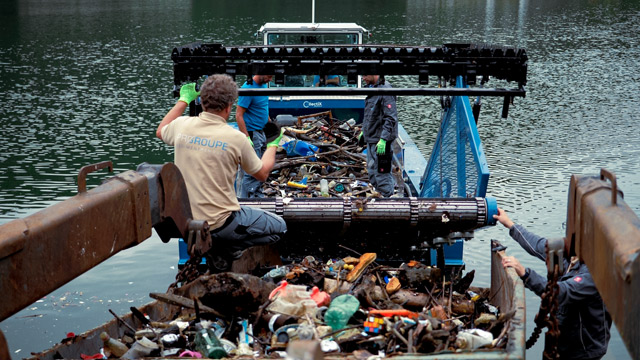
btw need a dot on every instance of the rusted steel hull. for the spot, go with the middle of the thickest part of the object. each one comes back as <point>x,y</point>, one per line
<point>506,287</point>
<point>607,239</point>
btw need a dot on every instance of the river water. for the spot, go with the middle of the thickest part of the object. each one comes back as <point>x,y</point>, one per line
<point>87,81</point>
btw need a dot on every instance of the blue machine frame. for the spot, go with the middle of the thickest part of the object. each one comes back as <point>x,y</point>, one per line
<point>445,172</point>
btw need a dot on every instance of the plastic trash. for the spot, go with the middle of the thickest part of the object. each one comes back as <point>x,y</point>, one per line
<point>324,188</point>
<point>341,310</point>
<point>191,354</point>
<point>298,185</point>
<point>115,347</point>
<point>292,300</point>
<point>277,273</point>
<point>300,148</point>
<point>329,346</point>
<point>473,339</point>
<point>208,344</point>
<point>347,125</point>
<point>320,297</point>
<point>141,348</point>
<point>173,341</point>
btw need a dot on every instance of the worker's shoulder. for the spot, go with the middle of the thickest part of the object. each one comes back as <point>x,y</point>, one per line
<point>232,134</point>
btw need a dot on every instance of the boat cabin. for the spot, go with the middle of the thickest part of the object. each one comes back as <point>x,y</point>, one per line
<point>343,106</point>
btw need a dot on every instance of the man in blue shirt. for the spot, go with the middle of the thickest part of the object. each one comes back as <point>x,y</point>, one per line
<point>252,114</point>
<point>329,80</point>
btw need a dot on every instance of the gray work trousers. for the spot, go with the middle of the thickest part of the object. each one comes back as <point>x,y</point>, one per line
<point>248,227</point>
<point>384,183</point>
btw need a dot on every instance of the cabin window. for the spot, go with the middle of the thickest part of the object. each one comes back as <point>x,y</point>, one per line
<point>311,38</point>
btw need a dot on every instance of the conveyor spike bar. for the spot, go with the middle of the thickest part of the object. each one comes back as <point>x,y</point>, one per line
<point>454,214</point>
<point>450,60</point>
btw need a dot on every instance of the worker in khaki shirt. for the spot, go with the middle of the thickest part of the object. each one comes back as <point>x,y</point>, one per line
<point>208,152</point>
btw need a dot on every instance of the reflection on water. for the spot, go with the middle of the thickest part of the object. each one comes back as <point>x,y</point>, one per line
<point>87,82</point>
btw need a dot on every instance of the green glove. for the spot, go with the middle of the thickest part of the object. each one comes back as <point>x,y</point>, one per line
<point>250,142</point>
<point>381,146</point>
<point>188,93</point>
<point>276,141</point>
<point>361,139</point>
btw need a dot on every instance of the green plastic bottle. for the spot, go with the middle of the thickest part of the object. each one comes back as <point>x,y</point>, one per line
<point>208,344</point>
<point>340,311</point>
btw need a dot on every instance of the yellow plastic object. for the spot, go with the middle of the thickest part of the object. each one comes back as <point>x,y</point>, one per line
<point>296,185</point>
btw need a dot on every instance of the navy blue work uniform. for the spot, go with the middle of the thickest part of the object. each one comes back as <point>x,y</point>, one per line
<point>380,122</point>
<point>583,319</point>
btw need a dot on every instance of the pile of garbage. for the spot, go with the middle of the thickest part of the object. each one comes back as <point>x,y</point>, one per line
<point>321,157</point>
<point>349,306</point>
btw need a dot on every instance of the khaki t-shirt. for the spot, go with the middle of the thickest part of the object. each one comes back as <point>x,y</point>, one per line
<point>208,152</point>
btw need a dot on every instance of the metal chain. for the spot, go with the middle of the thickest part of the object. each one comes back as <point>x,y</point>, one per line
<point>553,332</point>
<point>546,317</point>
<point>188,273</point>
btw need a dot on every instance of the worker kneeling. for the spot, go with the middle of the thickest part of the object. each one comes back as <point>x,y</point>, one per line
<point>209,172</point>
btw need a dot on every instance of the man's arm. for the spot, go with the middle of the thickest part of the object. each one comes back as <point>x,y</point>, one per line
<point>389,117</point>
<point>173,114</point>
<point>240,120</point>
<point>268,160</point>
<point>188,94</point>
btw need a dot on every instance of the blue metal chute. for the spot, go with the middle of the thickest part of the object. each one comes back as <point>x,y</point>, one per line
<point>457,166</point>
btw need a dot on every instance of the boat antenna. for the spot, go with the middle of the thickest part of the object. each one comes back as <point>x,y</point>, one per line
<point>313,11</point>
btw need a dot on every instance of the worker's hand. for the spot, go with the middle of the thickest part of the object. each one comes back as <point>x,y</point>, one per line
<point>188,93</point>
<point>512,262</point>
<point>361,138</point>
<point>503,218</point>
<point>276,141</point>
<point>381,147</point>
<point>250,141</point>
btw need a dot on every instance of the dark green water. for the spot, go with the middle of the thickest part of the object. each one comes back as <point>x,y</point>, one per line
<point>88,81</point>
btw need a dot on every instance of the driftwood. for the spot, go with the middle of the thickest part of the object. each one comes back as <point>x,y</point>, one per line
<point>376,293</point>
<point>229,293</point>
<point>178,300</point>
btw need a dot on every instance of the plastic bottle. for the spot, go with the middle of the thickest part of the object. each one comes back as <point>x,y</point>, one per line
<point>324,188</point>
<point>208,344</point>
<point>115,347</point>
<point>347,125</point>
<point>341,310</point>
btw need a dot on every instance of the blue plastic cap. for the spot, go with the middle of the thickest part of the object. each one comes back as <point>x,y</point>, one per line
<point>492,209</point>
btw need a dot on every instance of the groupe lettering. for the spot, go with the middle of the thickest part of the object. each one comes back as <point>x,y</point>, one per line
<point>196,140</point>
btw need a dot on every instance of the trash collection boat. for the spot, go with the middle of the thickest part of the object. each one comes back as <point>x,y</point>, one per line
<point>442,202</point>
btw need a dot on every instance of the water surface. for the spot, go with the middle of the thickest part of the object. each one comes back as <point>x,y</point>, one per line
<point>84,82</point>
